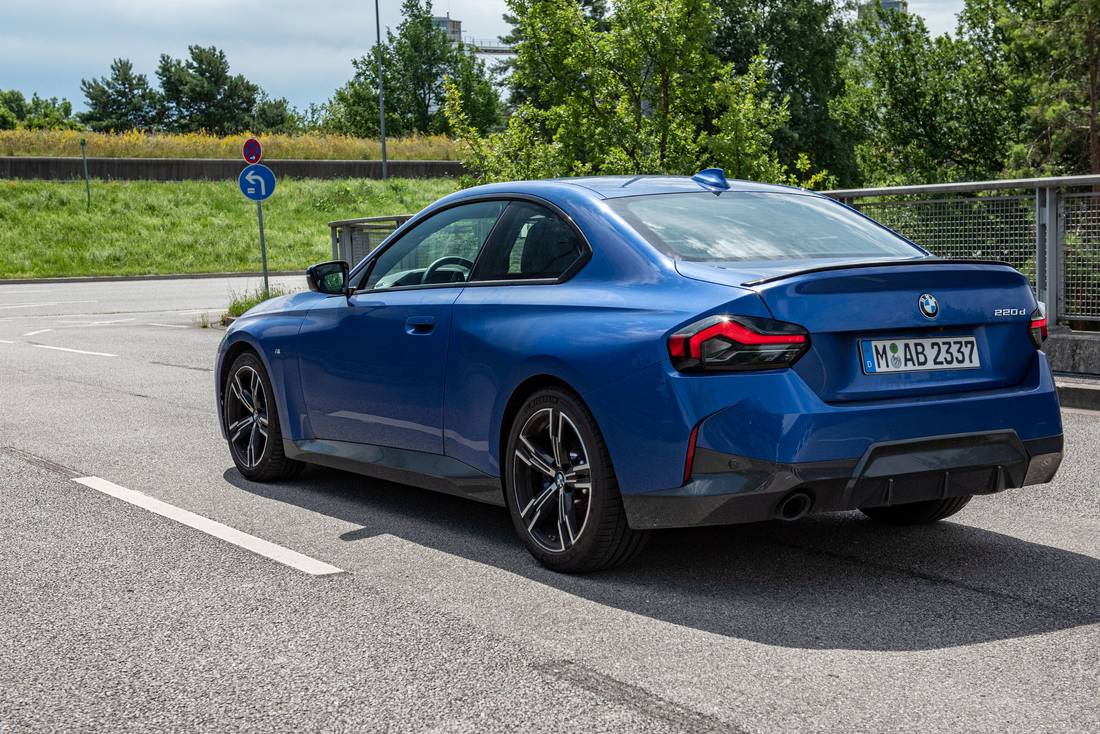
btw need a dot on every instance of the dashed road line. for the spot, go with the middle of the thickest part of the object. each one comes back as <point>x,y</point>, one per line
<point>5,341</point>
<point>74,351</point>
<point>170,326</point>
<point>36,333</point>
<point>259,546</point>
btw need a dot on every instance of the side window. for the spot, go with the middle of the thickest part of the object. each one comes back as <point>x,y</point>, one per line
<point>442,249</point>
<point>530,242</point>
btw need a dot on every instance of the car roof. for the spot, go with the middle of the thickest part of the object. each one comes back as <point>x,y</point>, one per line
<point>616,187</point>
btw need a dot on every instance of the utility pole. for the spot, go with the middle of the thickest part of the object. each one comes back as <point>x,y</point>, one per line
<point>381,95</point>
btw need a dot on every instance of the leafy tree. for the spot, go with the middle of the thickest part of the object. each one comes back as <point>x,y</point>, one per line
<point>802,42</point>
<point>199,93</point>
<point>919,109</point>
<point>276,116</point>
<point>647,95</point>
<point>353,109</point>
<point>37,113</point>
<point>122,101</point>
<point>423,56</point>
<point>594,10</point>
<point>416,61</point>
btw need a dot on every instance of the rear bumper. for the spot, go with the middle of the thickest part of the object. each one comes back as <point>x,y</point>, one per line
<point>727,489</point>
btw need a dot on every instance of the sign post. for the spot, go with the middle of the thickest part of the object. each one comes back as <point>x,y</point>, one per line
<point>257,182</point>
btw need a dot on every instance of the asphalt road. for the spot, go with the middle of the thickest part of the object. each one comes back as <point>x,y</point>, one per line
<point>113,617</point>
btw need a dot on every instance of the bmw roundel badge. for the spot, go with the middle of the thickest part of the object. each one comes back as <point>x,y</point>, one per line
<point>929,306</point>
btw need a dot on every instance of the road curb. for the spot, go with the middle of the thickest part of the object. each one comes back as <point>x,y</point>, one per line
<point>1080,394</point>
<point>116,278</point>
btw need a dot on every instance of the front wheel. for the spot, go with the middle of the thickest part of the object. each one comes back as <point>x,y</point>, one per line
<point>917,513</point>
<point>561,488</point>
<point>252,425</point>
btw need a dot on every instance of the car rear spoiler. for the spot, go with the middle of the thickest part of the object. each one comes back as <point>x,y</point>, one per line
<point>875,264</point>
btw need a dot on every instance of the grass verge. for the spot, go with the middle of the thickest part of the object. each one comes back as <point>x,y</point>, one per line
<point>243,301</point>
<point>149,227</point>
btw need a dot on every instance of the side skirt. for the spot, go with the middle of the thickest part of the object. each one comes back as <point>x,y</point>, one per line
<point>404,466</point>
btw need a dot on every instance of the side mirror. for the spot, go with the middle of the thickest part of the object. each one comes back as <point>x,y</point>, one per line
<point>330,278</point>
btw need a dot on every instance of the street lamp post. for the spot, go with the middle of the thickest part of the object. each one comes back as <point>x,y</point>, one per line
<point>381,94</point>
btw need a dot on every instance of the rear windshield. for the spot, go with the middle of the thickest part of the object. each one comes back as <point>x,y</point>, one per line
<point>756,226</point>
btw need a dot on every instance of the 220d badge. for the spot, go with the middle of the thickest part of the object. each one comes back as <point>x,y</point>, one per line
<point>605,356</point>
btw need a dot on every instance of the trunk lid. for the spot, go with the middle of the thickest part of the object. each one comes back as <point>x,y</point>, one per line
<point>842,303</point>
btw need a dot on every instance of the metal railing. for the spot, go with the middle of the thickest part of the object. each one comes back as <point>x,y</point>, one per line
<point>353,239</point>
<point>1049,228</point>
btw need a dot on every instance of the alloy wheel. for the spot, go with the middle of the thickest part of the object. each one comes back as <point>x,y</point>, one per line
<point>246,416</point>
<point>553,480</point>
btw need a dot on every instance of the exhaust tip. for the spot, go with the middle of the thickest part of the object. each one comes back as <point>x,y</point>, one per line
<point>794,506</point>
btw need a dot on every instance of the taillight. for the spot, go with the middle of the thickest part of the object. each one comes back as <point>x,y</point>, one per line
<point>1039,325</point>
<point>737,343</point>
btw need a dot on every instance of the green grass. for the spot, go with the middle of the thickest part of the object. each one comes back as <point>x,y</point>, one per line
<point>243,301</point>
<point>148,227</point>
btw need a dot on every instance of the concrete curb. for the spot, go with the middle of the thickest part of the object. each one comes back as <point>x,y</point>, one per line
<point>115,278</point>
<point>1078,393</point>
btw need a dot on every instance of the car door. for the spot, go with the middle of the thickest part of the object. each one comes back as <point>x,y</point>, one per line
<point>373,364</point>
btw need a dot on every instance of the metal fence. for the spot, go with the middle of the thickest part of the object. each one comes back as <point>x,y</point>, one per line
<point>1049,228</point>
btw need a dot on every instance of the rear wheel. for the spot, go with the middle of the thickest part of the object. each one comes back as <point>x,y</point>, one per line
<point>561,488</point>
<point>917,513</point>
<point>252,423</point>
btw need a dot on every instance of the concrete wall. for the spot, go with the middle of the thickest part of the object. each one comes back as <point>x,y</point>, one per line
<point>1074,352</point>
<point>180,169</point>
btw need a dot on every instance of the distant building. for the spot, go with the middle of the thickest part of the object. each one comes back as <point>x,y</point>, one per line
<point>901,6</point>
<point>453,28</point>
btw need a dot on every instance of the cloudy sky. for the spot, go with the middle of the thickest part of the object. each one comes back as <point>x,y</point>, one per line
<point>296,49</point>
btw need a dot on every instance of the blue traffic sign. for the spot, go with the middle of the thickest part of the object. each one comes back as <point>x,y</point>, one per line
<point>257,182</point>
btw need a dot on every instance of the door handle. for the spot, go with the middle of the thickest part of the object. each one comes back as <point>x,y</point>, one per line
<point>419,325</point>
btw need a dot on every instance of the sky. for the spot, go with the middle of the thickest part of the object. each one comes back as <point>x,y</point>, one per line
<point>297,49</point>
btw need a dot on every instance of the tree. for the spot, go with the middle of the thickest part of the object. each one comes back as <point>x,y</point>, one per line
<point>199,94</point>
<point>276,116</point>
<point>647,95</point>
<point>594,10</point>
<point>416,61</point>
<point>1054,47</point>
<point>918,109</point>
<point>353,109</point>
<point>37,113</point>
<point>122,101</point>
<point>802,42</point>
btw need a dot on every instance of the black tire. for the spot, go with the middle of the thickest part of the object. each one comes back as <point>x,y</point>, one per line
<point>592,531</point>
<point>260,464</point>
<point>917,513</point>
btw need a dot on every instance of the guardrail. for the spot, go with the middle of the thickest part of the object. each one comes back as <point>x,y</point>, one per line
<point>1049,228</point>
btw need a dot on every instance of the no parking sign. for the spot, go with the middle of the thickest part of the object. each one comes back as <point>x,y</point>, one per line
<point>252,151</point>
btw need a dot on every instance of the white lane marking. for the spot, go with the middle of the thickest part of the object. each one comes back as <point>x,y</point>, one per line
<point>170,326</point>
<point>74,351</point>
<point>5,341</point>
<point>75,324</point>
<point>262,547</point>
<point>36,333</point>
<point>47,303</point>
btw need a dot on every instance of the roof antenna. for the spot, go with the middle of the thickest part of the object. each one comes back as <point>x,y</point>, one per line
<point>712,178</point>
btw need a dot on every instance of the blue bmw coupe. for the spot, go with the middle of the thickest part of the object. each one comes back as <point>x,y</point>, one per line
<point>605,356</point>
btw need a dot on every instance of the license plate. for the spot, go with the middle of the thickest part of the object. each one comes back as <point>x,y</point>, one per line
<point>912,355</point>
